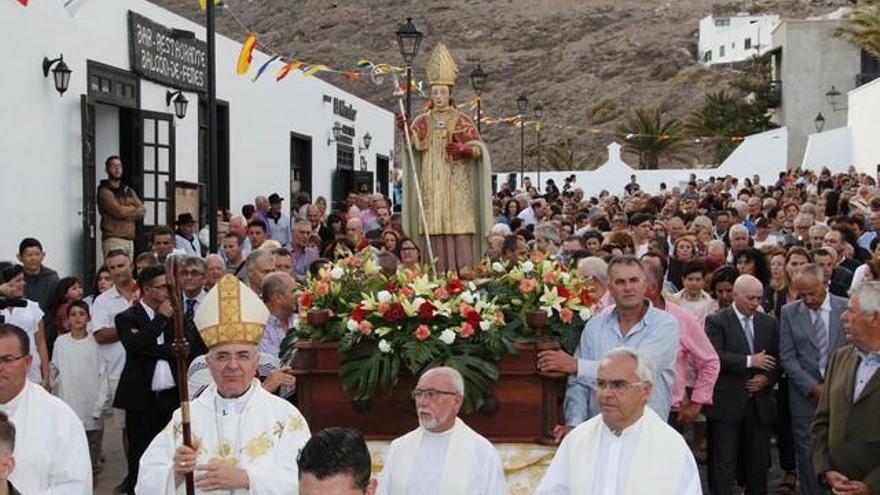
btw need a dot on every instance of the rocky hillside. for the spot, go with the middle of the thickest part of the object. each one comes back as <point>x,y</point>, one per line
<point>571,55</point>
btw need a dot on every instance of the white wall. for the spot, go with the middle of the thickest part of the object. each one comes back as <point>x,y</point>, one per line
<point>831,149</point>
<point>759,154</point>
<point>864,123</point>
<point>41,139</point>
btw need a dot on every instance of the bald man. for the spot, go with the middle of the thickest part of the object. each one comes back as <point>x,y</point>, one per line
<point>743,411</point>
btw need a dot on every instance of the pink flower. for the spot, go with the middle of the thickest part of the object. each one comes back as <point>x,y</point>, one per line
<point>566,315</point>
<point>422,332</point>
<point>527,285</point>
<point>550,278</point>
<point>322,289</point>
<point>407,292</point>
<point>467,330</point>
<point>441,293</point>
<point>365,327</point>
<point>382,308</point>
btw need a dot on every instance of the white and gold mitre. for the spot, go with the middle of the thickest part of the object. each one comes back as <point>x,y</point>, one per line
<point>231,313</point>
<point>441,68</point>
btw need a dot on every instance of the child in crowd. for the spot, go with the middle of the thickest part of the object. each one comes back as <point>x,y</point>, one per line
<point>81,378</point>
<point>68,290</point>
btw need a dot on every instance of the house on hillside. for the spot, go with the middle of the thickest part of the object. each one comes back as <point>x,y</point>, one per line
<point>730,40</point>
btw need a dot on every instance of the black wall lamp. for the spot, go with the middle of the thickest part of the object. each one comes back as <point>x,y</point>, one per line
<point>180,102</point>
<point>60,74</point>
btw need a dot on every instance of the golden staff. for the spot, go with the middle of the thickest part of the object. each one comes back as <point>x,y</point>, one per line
<point>181,353</point>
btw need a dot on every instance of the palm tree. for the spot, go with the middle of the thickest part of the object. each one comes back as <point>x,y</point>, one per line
<point>559,155</point>
<point>646,134</point>
<point>715,123</point>
<point>862,27</point>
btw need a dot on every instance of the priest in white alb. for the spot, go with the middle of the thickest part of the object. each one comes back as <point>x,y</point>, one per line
<point>627,449</point>
<point>443,456</point>
<point>51,452</point>
<point>246,440</point>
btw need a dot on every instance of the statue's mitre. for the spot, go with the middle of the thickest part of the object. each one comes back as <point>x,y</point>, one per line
<point>231,313</point>
<point>441,68</point>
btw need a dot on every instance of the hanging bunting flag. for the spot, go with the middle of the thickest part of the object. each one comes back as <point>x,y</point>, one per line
<point>314,69</point>
<point>264,67</point>
<point>290,66</point>
<point>364,63</point>
<point>203,4</point>
<point>72,6</point>
<point>247,54</point>
<point>352,75</point>
<point>23,2</point>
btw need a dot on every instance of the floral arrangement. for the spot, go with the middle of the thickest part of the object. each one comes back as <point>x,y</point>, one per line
<point>383,324</point>
<point>543,284</point>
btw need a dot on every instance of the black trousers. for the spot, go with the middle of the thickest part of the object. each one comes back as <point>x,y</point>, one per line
<point>141,427</point>
<point>784,429</point>
<point>749,437</point>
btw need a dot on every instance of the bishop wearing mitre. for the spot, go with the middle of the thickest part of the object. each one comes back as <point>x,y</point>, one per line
<point>245,440</point>
<point>454,175</point>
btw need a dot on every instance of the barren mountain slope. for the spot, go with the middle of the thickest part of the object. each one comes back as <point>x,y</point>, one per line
<point>568,54</point>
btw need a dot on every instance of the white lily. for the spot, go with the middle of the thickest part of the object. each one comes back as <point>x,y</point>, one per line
<point>551,300</point>
<point>336,273</point>
<point>498,267</point>
<point>422,286</point>
<point>384,346</point>
<point>528,267</point>
<point>485,325</point>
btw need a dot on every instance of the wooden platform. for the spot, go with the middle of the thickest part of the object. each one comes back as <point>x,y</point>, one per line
<point>524,408</point>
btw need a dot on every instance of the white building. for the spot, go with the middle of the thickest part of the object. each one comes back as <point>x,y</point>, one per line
<point>125,55</point>
<point>734,39</point>
<point>808,65</point>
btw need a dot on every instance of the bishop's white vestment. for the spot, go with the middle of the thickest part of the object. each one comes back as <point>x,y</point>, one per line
<point>257,432</point>
<point>646,458</point>
<point>455,462</point>
<point>51,451</point>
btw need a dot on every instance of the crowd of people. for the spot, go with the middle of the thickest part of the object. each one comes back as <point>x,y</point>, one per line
<point>729,311</point>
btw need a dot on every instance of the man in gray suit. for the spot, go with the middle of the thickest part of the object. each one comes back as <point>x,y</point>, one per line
<point>809,332</point>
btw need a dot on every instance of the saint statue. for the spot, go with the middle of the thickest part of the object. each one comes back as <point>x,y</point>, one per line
<point>454,174</point>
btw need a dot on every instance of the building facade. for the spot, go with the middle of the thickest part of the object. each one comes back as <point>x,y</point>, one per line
<point>808,66</point>
<point>734,39</point>
<point>299,134</point>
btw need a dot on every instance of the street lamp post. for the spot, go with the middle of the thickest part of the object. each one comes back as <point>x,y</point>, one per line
<point>478,82</point>
<point>539,128</point>
<point>213,183</point>
<point>408,40</point>
<point>522,105</point>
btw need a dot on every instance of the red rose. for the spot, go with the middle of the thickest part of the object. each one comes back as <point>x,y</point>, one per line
<point>358,314</point>
<point>426,311</point>
<point>394,313</point>
<point>390,286</point>
<point>586,297</point>
<point>563,292</point>
<point>422,332</point>
<point>455,286</point>
<point>305,300</point>
<point>473,317</point>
